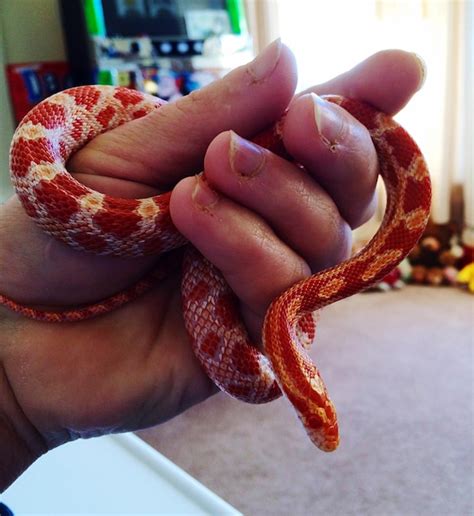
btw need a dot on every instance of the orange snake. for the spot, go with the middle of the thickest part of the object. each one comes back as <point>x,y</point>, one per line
<point>91,221</point>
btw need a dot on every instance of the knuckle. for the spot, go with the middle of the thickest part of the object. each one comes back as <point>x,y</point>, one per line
<point>365,213</point>
<point>273,268</point>
<point>193,103</point>
<point>359,167</point>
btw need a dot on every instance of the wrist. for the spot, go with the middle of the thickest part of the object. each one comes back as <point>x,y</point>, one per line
<point>20,443</point>
<point>15,456</point>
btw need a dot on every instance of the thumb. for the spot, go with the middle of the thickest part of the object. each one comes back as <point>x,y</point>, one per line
<point>387,80</point>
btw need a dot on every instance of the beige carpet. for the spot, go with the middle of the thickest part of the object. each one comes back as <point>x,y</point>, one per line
<point>399,367</point>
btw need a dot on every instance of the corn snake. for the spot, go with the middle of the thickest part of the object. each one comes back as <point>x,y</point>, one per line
<point>91,221</point>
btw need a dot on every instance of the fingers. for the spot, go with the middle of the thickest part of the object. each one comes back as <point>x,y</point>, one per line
<point>265,222</point>
<point>261,220</point>
<point>293,205</point>
<point>387,80</point>
<point>256,264</point>
<point>341,157</point>
<point>170,143</point>
<point>338,152</point>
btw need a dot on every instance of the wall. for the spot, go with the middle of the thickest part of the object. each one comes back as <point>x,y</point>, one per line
<point>6,126</point>
<point>30,30</point>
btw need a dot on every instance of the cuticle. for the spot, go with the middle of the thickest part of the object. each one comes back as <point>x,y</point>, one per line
<point>203,184</point>
<point>251,74</point>
<point>234,149</point>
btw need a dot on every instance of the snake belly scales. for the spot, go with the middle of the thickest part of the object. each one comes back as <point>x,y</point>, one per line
<point>91,221</point>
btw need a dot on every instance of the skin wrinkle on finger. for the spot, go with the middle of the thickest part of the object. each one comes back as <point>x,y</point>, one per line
<point>286,266</point>
<point>107,157</point>
<point>115,187</point>
<point>333,233</point>
<point>334,241</point>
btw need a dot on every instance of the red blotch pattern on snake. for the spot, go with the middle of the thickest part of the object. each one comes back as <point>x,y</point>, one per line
<point>91,221</point>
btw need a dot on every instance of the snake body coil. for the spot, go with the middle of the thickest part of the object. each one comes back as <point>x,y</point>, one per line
<point>91,221</point>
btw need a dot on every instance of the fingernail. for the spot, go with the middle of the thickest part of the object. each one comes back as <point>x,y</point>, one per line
<point>246,159</point>
<point>423,70</point>
<point>264,64</point>
<point>329,122</point>
<point>203,195</point>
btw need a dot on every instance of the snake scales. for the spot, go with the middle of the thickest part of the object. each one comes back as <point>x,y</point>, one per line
<point>91,221</point>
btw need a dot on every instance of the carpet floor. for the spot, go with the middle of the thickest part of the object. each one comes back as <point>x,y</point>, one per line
<point>399,368</point>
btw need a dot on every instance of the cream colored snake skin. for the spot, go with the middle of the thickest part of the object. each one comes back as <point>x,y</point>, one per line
<point>91,221</point>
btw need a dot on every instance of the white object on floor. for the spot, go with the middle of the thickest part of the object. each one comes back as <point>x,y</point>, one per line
<point>115,474</point>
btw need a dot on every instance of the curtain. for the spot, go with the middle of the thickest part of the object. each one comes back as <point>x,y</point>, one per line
<point>263,19</point>
<point>330,36</point>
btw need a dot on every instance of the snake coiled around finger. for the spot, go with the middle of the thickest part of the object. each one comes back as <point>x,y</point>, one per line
<point>95,222</point>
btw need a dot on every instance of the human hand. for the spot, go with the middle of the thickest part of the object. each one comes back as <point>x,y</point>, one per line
<point>133,367</point>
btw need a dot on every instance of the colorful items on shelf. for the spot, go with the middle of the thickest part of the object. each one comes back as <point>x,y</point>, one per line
<point>165,83</point>
<point>396,279</point>
<point>29,83</point>
<point>440,258</point>
<point>443,257</point>
<point>466,277</point>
